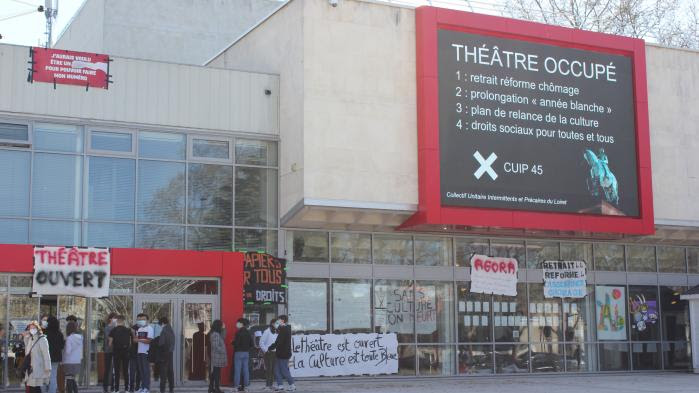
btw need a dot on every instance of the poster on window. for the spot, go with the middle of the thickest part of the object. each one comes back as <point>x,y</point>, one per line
<point>565,279</point>
<point>333,355</point>
<point>611,312</point>
<point>396,305</point>
<point>494,275</point>
<point>79,271</point>
<point>264,277</point>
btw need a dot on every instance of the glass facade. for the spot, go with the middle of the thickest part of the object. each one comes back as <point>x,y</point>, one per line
<point>77,185</point>
<point>443,329</point>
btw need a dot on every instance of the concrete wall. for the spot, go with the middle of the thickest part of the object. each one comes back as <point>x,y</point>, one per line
<point>277,46</point>
<point>85,31</point>
<point>178,31</point>
<point>146,92</point>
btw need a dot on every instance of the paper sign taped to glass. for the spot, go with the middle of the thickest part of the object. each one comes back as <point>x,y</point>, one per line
<point>565,279</point>
<point>496,275</point>
<point>78,271</point>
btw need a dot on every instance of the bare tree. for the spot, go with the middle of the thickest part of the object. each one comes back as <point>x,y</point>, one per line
<point>669,22</point>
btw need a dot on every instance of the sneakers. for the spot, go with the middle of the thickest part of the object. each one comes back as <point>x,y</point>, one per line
<point>291,388</point>
<point>279,388</point>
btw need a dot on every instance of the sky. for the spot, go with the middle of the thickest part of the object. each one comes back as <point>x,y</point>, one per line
<point>30,29</point>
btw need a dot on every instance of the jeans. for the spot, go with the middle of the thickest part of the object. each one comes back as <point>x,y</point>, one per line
<point>167,374</point>
<point>241,366</point>
<point>71,385</point>
<point>107,376</point>
<point>134,375</point>
<point>121,367</point>
<point>144,370</point>
<point>53,383</point>
<point>215,379</point>
<point>281,372</point>
<point>270,360</point>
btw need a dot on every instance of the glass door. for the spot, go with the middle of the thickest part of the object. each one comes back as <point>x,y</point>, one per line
<point>156,308</point>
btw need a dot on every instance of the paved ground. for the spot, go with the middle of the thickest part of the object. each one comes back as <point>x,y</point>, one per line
<point>623,383</point>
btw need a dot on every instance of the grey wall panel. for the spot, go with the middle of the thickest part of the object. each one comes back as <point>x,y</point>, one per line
<point>610,278</point>
<point>462,273</point>
<point>440,273</point>
<point>308,270</point>
<point>693,279</point>
<point>672,279</point>
<point>342,270</point>
<point>532,275</point>
<point>393,272</point>
<point>642,278</point>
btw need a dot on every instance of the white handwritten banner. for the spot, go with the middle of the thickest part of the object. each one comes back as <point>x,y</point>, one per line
<point>80,271</point>
<point>344,354</point>
<point>565,279</point>
<point>494,275</point>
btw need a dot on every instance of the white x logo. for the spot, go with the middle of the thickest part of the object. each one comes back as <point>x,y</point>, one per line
<point>485,165</point>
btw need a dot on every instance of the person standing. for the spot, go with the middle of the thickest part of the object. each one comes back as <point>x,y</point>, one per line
<point>72,356</point>
<point>56,345</point>
<point>144,335</point>
<point>166,346</point>
<point>282,345</point>
<point>37,346</point>
<point>134,373</point>
<point>268,338</point>
<point>120,340</point>
<point>200,347</point>
<point>109,324</point>
<point>219,355</point>
<point>242,343</point>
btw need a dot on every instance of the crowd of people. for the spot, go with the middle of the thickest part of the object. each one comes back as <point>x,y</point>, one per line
<point>129,352</point>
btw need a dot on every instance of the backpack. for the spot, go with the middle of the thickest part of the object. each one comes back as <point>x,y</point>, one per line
<point>122,342</point>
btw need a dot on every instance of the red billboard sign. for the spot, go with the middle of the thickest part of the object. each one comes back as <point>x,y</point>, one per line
<point>66,67</point>
<point>529,126</point>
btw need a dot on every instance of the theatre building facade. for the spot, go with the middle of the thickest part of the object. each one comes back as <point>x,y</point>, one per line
<point>502,196</point>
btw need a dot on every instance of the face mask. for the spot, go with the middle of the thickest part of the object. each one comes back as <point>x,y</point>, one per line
<point>114,321</point>
<point>44,324</point>
<point>33,331</point>
<point>141,322</point>
<point>239,325</point>
<point>276,325</point>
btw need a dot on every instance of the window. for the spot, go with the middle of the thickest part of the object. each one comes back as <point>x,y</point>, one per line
<point>434,312</point>
<point>160,192</point>
<point>254,152</point>
<point>538,252</point>
<point>511,358</point>
<point>111,188</point>
<point>203,238</point>
<point>161,145</point>
<point>55,233</point>
<point>475,359</point>
<point>671,260</point>
<point>693,260</point>
<point>645,356</point>
<point>351,306</point>
<point>160,237</point>
<point>100,234</point>
<point>641,258</point>
<point>14,231</point>
<point>115,142</point>
<point>466,247</point>
<point>545,324</point>
<point>14,187</point>
<point>255,197</point>
<point>613,356</point>
<point>644,313</point>
<point>14,132</point>
<point>256,240</point>
<point>309,246</point>
<point>577,252</point>
<point>56,191</point>
<point>674,314</point>
<point>56,137</point>
<point>394,309</point>
<point>474,316</point>
<point>579,318</point>
<point>509,249</point>
<point>433,251</point>
<point>435,360</point>
<point>350,247</point>
<point>393,250</point>
<point>308,306</point>
<point>217,149</point>
<point>609,257</point>
<point>210,195</point>
<point>510,316</point>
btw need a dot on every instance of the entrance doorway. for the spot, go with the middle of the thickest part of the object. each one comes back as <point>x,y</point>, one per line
<point>190,317</point>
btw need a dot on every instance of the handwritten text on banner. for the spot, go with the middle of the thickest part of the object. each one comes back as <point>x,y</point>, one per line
<point>564,279</point>
<point>80,271</point>
<point>494,275</point>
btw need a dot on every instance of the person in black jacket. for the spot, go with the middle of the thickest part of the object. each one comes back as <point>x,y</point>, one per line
<point>56,345</point>
<point>242,343</point>
<point>282,345</point>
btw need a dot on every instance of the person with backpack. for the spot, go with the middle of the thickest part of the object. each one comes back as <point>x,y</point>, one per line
<point>166,347</point>
<point>242,343</point>
<point>36,366</point>
<point>143,338</point>
<point>282,346</point>
<point>120,339</point>
<point>56,344</point>
<point>73,356</point>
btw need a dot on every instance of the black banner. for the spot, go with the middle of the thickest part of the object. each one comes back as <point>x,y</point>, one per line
<point>265,278</point>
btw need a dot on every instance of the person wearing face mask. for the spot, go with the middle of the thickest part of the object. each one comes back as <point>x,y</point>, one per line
<point>282,345</point>
<point>36,345</point>
<point>144,336</point>
<point>52,329</point>
<point>219,356</point>
<point>268,338</point>
<point>166,347</point>
<point>72,356</point>
<point>107,383</point>
<point>242,343</point>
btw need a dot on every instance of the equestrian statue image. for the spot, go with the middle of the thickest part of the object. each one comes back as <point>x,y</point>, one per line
<point>601,179</point>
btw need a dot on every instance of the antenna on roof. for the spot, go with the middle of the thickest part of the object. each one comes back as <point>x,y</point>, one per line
<point>51,11</point>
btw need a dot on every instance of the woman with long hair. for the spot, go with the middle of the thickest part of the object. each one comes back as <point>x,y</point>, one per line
<point>56,343</point>
<point>72,356</point>
<point>219,355</point>
<point>37,375</point>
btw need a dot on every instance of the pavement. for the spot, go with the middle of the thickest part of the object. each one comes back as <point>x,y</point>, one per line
<point>666,382</point>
